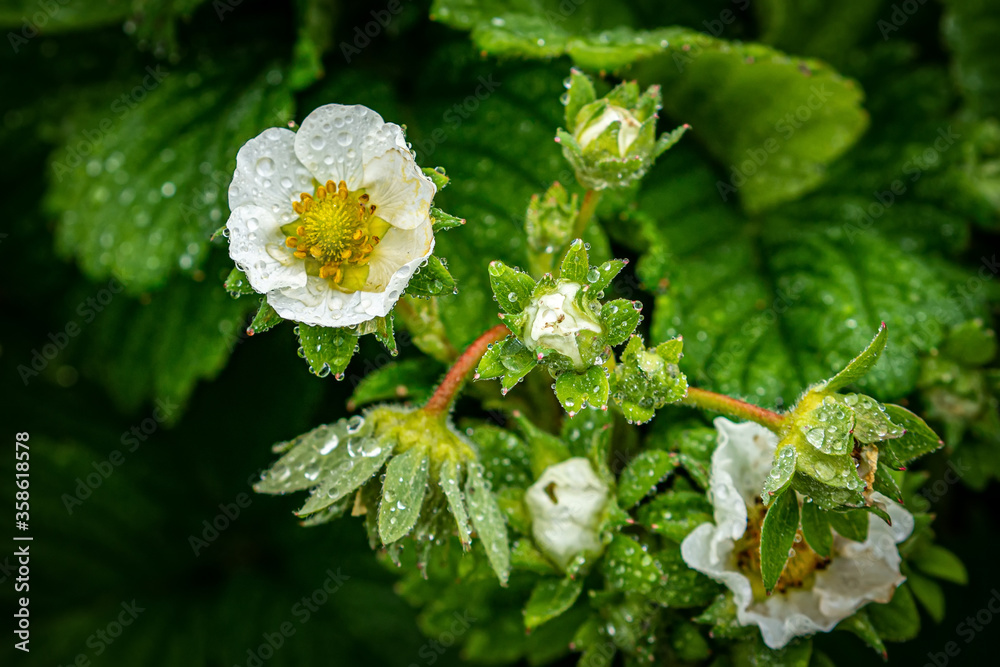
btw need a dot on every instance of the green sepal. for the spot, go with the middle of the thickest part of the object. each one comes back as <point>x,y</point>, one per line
<point>580,93</point>
<point>575,263</point>
<point>382,329</point>
<point>781,474</point>
<point>897,620</point>
<point>919,438</point>
<point>450,480</point>
<point>577,390</point>
<point>861,364</point>
<point>265,319</point>
<point>326,350</point>
<point>816,529</point>
<point>438,176</point>
<point>431,279</point>
<point>777,535</point>
<point>442,222</point>
<point>402,494</point>
<point>852,524</point>
<point>619,319</point>
<point>237,284</point>
<point>599,277</point>
<point>488,521</point>
<point>512,288</point>
<point>861,625</point>
<point>370,455</point>
<point>646,380</point>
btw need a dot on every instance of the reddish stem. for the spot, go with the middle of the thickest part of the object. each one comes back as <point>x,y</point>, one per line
<point>733,407</point>
<point>455,378</point>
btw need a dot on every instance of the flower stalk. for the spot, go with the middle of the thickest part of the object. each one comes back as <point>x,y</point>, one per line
<point>733,407</point>
<point>446,392</point>
<point>587,209</point>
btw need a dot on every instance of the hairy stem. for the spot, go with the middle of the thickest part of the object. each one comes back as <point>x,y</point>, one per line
<point>587,209</point>
<point>733,407</point>
<point>446,392</point>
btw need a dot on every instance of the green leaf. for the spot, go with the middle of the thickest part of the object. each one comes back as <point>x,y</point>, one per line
<point>349,474</point>
<point>628,566</point>
<point>777,535</point>
<point>176,153</point>
<point>512,288</point>
<point>758,654</point>
<point>852,524</point>
<point>550,598</point>
<point>411,379</point>
<point>675,514</point>
<point>157,347</point>
<point>326,350</point>
<point>642,474</point>
<point>237,284</point>
<point>820,30</point>
<point>440,179</point>
<point>449,478</point>
<point>785,306</point>
<point>577,390</point>
<point>402,494</point>
<point>620,318</point>
<point>431,279</point>
<point>575,264</point>
<point>941,563</point>
<point>860,625</point>
<point>816,529</point>
<point>861,364</point>
<point>265,319</point>
<point>441,221</point>
<point>898,620</point>
<point>918,440</point>
<point>929,594</point>
<point>488,521</point>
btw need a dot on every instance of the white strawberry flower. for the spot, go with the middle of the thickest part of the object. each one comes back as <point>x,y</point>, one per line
<point>330,222</point>
<point>555,320</point>
<point>567,505</point>
<point>858,573</point>
<point>628,131</point>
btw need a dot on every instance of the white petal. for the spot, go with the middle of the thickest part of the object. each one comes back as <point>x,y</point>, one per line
<point>257,246</point>
<point>400,191</point>
<point>269,174</point>
<point>335,141</point>
<point>398,248</point>
<point>745,453</point>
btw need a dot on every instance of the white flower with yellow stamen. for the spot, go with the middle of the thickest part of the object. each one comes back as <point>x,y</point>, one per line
<point>813,594</point>
<point>330,222</point>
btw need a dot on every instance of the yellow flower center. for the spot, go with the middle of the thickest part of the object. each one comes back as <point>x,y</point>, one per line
<point>336,234</point>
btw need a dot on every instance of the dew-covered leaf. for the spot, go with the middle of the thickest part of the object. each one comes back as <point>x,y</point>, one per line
<point>450,479</point>
<point>488,521</point>
<point>511,288</point>
<point>642,474</point>
<point>402,494</point>
<point>364,457</point>
<point>578,390</point>
<point>619,317</point>
<point>265,319</point>
<point>550,598</point>
<point>433,279</point>
<point>575,264</point>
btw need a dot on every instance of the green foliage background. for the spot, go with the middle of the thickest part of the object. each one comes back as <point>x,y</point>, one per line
<point>120,125</point>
